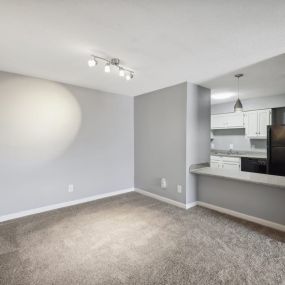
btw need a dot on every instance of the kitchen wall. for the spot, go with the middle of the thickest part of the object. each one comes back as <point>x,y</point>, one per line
<point>223,138</point>
<point>172,131</point>
<point>277,101</point>
<point>53,135</point>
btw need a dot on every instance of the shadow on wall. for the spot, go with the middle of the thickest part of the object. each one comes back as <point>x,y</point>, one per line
<point>39,119</point>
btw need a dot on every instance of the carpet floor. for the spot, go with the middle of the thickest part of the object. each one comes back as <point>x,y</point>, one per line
<point>133,239</point>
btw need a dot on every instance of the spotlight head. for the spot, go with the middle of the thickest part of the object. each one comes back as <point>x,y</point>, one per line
<point>92,61</point>
<point>107,67</point>
<point>121,72</point>
<point>130,76</point>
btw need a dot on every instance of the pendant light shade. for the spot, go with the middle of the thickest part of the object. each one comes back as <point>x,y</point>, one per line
<point>238,105</point>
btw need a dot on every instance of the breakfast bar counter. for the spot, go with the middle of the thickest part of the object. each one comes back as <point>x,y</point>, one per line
<point>258,178</point>
<point>252,196</point>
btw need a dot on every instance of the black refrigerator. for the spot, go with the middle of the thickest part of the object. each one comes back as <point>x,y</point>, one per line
<point>276,150</point>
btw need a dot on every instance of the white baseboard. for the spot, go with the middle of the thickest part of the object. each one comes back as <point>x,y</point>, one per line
<point>166,200</point>
<point>62,205</point>
<point>253,219</point>
<point>191,205</point>
<point>229,212</point>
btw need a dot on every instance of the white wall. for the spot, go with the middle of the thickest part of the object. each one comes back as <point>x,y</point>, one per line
<point>223,139</point>
<point>52,135</point>
<point>277,101</point>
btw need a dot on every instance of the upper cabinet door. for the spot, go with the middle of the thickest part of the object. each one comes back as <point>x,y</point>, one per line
<point>217,122</point>
<point>264,120</point>
<point>227,121</point>
<point>251,124</point>
<point>235,120</point>
<point>256,123</point>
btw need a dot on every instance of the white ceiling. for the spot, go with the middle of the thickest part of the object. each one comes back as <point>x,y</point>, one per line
<point>266,78</point>
<point>164,41</point>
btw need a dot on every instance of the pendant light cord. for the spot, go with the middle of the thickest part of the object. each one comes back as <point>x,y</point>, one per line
<point>238,87</point>
<point>238,104</point>
<point>238,77</point>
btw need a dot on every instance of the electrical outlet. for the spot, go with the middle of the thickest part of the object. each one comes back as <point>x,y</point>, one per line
<point>70,188</point>
<point>231,146</point>
<point>163,183</point>
<point>212,145</point>
<point>179,188</point>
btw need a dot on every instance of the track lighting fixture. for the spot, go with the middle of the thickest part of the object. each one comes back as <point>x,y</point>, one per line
<point>123,72</point>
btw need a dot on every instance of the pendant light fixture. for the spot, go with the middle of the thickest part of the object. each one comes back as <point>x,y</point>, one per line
<point>238,105</point>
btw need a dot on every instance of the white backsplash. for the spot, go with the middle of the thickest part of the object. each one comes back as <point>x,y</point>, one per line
<point>222,139</point>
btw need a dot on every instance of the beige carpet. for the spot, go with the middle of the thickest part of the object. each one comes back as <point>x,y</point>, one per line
<point>132,239</point>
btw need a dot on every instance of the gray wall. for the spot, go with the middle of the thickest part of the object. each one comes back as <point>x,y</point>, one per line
<point>160,141</point>
<point>172,131</point>
<point>223,138</point>
<point>198,133</point>
<point>248,198</point>
<point>53,135</point>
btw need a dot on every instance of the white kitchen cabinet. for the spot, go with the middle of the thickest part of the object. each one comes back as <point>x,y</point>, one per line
<point>235,120</point>
<point>217,122</point>
<point>227,121</point>
<point>251,123</point>
<point>256,123</point>
<point>225,162</point>
<point>231,165</point>
<point>264,119</point>
<point>215,164</point>
<point>216,161</point>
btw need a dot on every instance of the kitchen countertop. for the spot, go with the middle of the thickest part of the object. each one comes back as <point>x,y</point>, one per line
<point>250,154</point>
<point>258,178</point>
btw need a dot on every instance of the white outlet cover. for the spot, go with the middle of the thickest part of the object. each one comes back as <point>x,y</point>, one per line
<point>231,146</point>
<point>70,188</point>
<point>179,188</point>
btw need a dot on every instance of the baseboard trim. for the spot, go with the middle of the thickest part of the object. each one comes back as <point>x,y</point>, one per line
<point>246,217</point>
<point>187,206</point>
<point>166,200</point>
<point>62,205</point>
<point>191,205</point>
